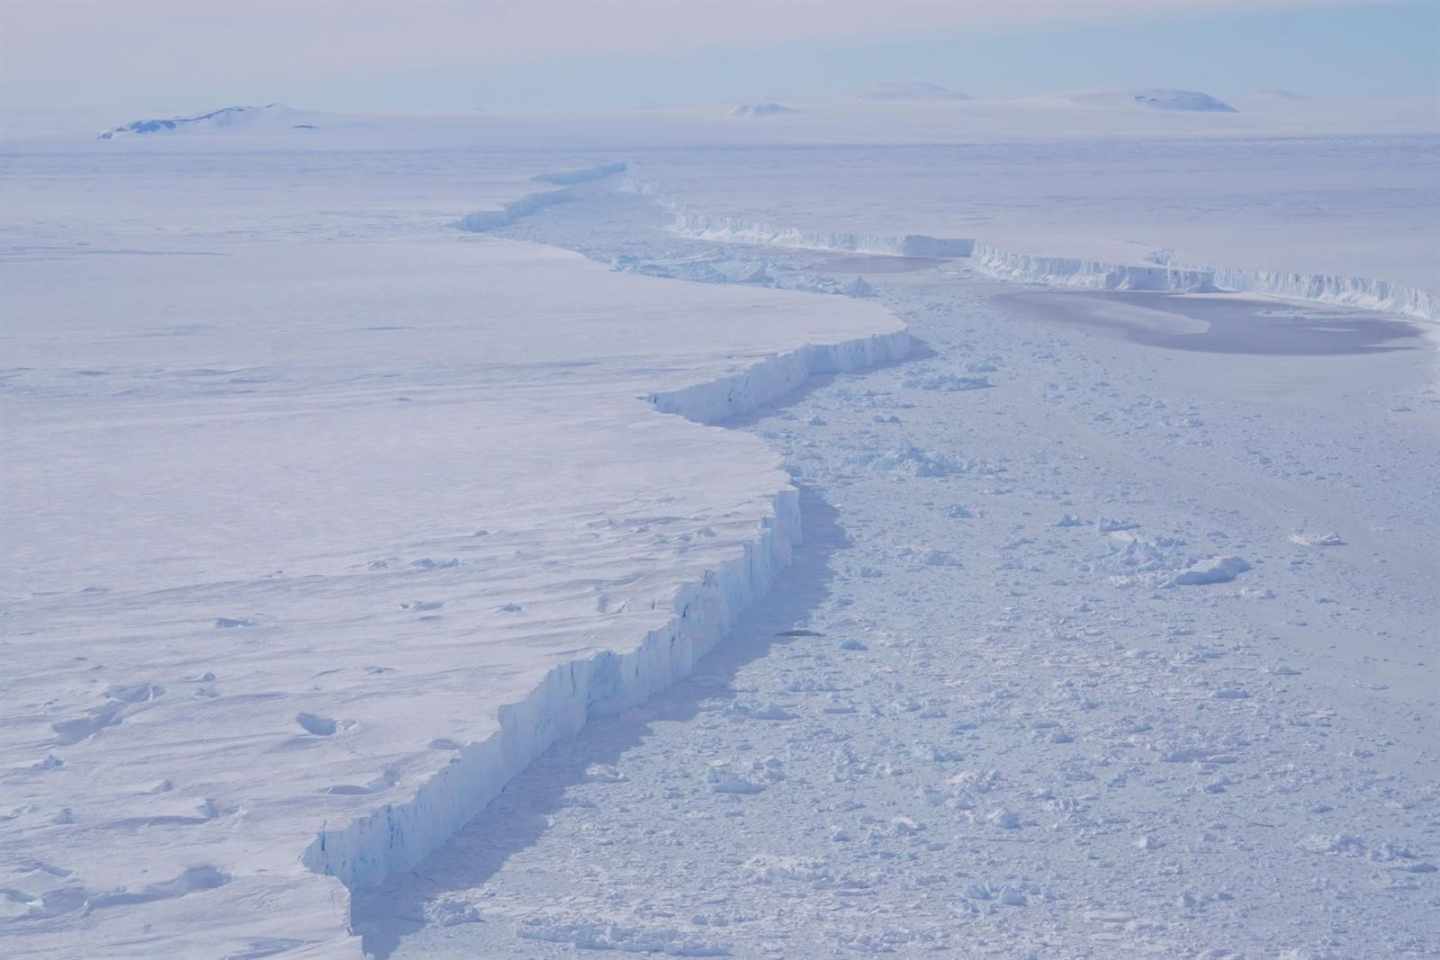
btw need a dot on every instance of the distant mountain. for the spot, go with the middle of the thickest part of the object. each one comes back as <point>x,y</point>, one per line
<point>912,90</point>
<point>1157,98</point>
<point>766,109</point>
<point>271,115</point>
<point>1161,99</point>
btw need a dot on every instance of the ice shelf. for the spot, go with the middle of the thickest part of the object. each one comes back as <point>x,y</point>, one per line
<point>308,573</point>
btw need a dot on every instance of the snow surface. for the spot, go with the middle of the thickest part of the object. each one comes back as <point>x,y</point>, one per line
<point>337,503</point>
<point>288,492</point>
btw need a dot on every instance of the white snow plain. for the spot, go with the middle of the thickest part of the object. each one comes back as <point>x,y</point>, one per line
<point>311,545</point>
<point>326,517</point>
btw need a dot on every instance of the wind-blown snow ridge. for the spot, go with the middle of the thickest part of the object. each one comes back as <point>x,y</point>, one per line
<point>399,836</point>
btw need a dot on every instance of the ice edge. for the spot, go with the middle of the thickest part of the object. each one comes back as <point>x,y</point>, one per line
<point>399,836</point>
<point>1364,292</point>
<point>1100,275</point>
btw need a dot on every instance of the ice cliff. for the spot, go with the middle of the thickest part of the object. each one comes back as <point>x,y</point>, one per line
<point>399,836</point>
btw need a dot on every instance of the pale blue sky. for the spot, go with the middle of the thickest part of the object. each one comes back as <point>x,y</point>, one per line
<point>1363,50</point>
<point>154,56</point>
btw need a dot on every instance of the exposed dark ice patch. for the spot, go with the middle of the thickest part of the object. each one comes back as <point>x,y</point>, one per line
<point>1233,325</point>
<point>316,724</point>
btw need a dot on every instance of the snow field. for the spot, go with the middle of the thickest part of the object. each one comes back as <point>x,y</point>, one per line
<point>346,547</point>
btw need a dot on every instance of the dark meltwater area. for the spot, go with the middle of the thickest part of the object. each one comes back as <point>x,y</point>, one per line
<point>1224,324</point>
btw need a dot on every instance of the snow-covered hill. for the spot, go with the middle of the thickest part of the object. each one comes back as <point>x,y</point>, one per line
<point>1161,99</point>
<point>271,116</point>
<point>1155,98</point>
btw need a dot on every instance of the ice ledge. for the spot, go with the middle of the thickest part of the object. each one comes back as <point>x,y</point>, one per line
<point>1099,275</point>
<point>1332,288</point>
<point>482,221</point>
<point>1088,274</point>
<point>771,379</point>
<point>399,836</point>
<point>1092,274</point>
<point>732,230</point>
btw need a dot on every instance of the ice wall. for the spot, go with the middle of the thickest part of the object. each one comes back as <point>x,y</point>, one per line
<point>1089,274</point>
<point>769,380</point>
<point>1353,291</point>
<point>1016,264</point>
<point>1332,288</point>
<point>733,230</point>
<point>566,178</point>
<point>482,220</point>
<point>1079,272</point>
<point>400,835</point>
